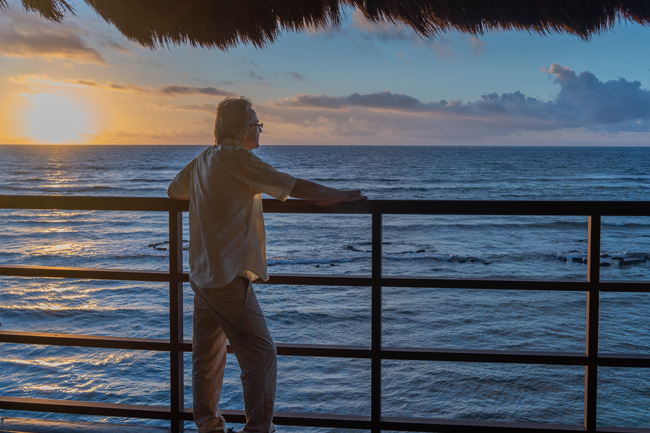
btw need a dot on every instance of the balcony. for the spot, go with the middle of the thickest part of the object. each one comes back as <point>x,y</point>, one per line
<point>591,359</point>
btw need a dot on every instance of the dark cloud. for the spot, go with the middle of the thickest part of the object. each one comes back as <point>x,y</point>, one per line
<point>109,86</point>
<point>296,75</point>
<point>382,100</point>
<point>586,101</point>
<point>117,46</point>
<point>207,108</point>
<point>582,102</point>
<point>255,75</point>
<point>171,90</point>
<point>175,90</point>
<point>20,36</point>
<point>584,110</point>
<point>38,43</point>
<point>385,31</point>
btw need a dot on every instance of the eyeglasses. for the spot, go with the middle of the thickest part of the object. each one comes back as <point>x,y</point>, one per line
<point>259,126</point>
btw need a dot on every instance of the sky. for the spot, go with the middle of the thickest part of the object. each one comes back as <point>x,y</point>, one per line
<point>81,81</point>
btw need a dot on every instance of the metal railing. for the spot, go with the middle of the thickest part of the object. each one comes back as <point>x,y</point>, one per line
<point>176,412</point>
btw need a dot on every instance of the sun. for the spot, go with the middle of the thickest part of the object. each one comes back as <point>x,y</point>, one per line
<point>56,118</point>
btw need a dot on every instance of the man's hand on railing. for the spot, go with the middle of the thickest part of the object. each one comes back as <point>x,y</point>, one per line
<point>308,190</point>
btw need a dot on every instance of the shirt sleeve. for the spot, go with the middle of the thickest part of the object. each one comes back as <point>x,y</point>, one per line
<point>264,178</point>
<point>179,188</point>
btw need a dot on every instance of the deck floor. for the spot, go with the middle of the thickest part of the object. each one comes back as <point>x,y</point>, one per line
<point>26,425</point>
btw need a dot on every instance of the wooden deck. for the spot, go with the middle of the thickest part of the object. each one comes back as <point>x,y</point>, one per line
<point>26,425</point>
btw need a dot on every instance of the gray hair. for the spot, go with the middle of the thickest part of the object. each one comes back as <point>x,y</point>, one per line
<point>234,116</point>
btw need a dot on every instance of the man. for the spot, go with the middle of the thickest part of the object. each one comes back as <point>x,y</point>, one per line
<point>227,252</point>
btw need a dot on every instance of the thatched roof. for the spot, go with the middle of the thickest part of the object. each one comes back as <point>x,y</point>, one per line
<point>226,23</point>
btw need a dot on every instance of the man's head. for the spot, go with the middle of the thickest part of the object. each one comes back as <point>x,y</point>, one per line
<point>236,119</point>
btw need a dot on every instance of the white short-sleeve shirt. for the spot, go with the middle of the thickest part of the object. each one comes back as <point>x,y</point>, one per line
<point>224,185</point>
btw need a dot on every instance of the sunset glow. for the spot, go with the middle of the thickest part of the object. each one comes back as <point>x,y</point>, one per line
<point>53,118</point>
<point>81,81</point>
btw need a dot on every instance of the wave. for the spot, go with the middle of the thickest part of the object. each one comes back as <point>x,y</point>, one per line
<point>332,261</point>
<point>149,180</point>
<point>625,259</point>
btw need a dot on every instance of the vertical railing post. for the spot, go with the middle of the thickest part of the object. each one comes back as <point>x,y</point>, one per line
<point>375,374</point>
<point>176,318</point>
<point>593,298</point>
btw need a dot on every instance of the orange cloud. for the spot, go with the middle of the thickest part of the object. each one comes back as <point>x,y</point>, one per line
<point>170,90</point>
<point>109,86</point>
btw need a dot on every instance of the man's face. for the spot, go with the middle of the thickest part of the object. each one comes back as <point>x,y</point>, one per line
<point>252,137</point>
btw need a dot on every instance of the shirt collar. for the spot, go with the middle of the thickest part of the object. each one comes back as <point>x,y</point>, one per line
<point>230,142</point>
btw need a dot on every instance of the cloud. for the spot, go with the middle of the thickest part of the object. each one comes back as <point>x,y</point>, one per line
<point>475,45</point>
<point>583,101</point>
<point>150,136</point>
<point>296,75</point>
<point>175,90</point>
<point>443,45</point>
<point>22,36</point>
<point>384,31</point>
<point>109,86</point>
<point>586,101</point>
<point>170,90</point>
<point>117,47</point>
<point>385,100</point>
<point>206,108</point>
<point>202,108</point>
<point>584,104</point>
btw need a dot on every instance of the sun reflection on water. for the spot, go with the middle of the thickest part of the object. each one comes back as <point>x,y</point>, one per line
<point>52,306</point>
<point>49,362</point>
<point>74,388</point>
<point>57,230</point>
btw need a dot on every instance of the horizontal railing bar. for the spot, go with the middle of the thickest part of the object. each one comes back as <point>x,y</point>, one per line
<point>163,412</point>
<point>424,282</point>
<point>622,430</point>
<point>280,418</point>
<point>323,350</point>
<point>485,283</point>
<point>74,340</point>
<point>314,280</point>
<point>464,207</point>
<point>471,426</point>
<point>624,360</point>
<point>289,279</point>
<point>302,419</point>
<point>484,356</point>
<point>432,207</point>
<point>67,202</point>
<point>318,350</point>
<point>84,407</point>
<point>624,286</point>
<point>83,273</point>
<point>333,280</point>
<point>311,350</point>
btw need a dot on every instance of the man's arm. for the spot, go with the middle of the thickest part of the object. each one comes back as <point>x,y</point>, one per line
<point>307,190</point>
<point>179,188</point>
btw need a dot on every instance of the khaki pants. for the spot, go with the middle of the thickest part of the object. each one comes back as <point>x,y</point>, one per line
<point>232,312</point>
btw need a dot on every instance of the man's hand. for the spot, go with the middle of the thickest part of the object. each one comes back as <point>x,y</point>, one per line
<point>308,190</point>
<point>354,195</point>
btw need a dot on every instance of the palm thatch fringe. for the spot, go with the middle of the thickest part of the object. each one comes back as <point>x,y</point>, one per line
<point>226,23</point>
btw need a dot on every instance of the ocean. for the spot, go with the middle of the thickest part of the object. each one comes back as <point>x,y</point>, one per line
<point>447,246</point>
